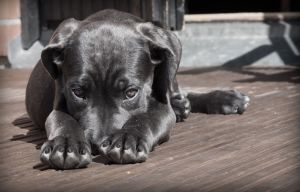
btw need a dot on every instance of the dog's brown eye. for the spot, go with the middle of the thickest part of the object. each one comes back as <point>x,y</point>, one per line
<point>78,92</point>
<point>130,93</point>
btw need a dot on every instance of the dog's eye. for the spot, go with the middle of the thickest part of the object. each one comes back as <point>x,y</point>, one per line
<point>78,92</point>
<point>131,92</point>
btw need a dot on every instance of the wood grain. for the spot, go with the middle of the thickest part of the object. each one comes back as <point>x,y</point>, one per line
<point>256,151</point>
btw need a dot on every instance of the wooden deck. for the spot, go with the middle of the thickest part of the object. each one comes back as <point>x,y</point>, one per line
<point>256,151</point>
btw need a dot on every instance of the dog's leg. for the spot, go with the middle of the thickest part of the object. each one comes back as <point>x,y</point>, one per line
<point>180,103</point>
<point>66,147</point>
<point>219,102</point>
<point>139,135</point>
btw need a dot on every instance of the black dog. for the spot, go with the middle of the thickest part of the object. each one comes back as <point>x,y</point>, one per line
<point>106,85</point>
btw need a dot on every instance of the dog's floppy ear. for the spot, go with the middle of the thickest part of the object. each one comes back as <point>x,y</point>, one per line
<point>53,54</point>
<point>165,53</point>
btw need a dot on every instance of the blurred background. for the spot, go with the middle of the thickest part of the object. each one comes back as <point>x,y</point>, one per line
<point>213,32</point>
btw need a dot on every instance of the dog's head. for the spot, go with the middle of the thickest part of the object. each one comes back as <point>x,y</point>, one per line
<point>107,72</point>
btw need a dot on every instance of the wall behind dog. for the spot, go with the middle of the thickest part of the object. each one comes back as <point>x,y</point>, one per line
<point>10,24</point>
<point>241,39</point>
<point>208,40</point>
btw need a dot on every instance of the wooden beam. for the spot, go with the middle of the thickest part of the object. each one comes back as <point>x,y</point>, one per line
<point>285,5</point>
<point>242,17</point>
<point>30,22</point>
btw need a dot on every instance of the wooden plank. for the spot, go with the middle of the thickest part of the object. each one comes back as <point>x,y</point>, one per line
<point>172,14</point>
<point>256,151</point>
<point>75,9</point>
<point>147,7</point>
<point>86,8</point>
<point>158,13</point>
<point>285,5</point>
<point>179,14</point>
<point>108,4</point>
<point>135,7</point>
<point>121,5</point>
<point>54,9</point>
<point>30,22</point>
<point>242,17</point>
<point>66,11</point>
<point>97,5</point>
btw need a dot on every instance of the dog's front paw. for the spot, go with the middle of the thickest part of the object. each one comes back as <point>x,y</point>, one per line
<point>181,106</point>
<point>65,153</point>
<point>125,147</point>
<point>227,102</point>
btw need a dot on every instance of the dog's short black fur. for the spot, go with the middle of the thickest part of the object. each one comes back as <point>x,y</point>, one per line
<point>106,85</point>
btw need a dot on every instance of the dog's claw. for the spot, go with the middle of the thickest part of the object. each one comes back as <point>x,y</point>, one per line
<point>65,153</point>
<point>124,147</point>
<point>181,106</point>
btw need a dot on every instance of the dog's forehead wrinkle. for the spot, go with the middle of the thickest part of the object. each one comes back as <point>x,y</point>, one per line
<point>111,74</point>
<point>103,57</point>
<point>105,37</point>
<point>107,49</point>
<point>101,47</point>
